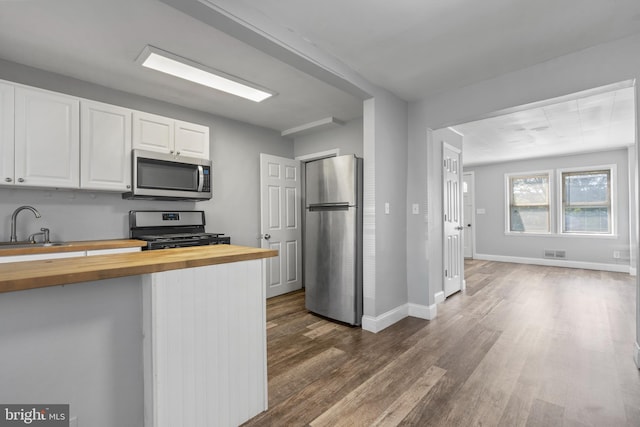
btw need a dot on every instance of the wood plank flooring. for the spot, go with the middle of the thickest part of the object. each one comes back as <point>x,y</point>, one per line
<point>522,346</point>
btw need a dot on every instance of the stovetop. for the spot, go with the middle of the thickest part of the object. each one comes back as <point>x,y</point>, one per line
<point>172,229</point>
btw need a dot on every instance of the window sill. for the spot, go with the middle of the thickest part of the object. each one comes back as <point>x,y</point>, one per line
<point>570,235</point>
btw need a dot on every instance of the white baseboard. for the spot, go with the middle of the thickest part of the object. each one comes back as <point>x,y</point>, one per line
<point>619,268</point>
<point>633,271</point>
<point>428,312</point>
<point>439,297</point>
<point>636,355</point>
<point>378,323</point>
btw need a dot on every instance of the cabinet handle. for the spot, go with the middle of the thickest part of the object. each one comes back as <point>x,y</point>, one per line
<point>128,186</point>
<point>8,180</point>
<point>177,153</point>
<point>20,179</point>
<point>170,151</point>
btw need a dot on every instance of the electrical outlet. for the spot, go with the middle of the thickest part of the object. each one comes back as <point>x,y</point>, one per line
<point>415,208</point>
<point>616,254</point>
<point>386,208</point>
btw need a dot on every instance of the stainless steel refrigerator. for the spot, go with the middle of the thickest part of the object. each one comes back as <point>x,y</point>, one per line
<point>333,238</point>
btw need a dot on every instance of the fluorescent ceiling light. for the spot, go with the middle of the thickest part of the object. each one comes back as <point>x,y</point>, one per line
<point>183,68</point>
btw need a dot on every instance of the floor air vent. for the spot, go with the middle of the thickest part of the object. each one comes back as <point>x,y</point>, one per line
<point>557,254</point>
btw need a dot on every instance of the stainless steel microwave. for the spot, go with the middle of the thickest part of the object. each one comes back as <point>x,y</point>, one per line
<point>160,176</point>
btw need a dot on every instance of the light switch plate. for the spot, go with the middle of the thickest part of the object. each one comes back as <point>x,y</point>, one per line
<point>415,209</point>
<point>386,208</point>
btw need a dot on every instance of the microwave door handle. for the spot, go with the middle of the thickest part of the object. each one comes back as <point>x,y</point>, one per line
<point>200,178</point>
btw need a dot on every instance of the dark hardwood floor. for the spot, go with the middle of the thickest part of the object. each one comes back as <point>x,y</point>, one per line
<point>522,346</point>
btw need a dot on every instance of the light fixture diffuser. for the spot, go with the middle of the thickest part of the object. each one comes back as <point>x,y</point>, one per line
<point>168,63</point>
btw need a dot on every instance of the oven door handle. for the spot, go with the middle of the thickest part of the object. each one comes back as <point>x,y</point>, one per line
<point>200,178</point>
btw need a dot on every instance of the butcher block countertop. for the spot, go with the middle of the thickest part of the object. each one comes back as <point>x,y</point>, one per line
<point>18,276</point>
<point>88,245</point>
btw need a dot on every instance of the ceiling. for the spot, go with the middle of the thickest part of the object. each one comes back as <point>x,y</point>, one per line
<point>408,47</point>
<point>594,120</point>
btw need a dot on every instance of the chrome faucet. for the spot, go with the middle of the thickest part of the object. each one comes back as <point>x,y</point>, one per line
<point>14,216</point>
<point>44,232</point>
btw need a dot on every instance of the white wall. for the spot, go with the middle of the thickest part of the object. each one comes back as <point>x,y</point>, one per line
<point>585,69</point>
<point>491,240</point>
<point>82,344</point>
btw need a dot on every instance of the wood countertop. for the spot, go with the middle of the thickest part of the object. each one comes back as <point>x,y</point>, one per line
<point>18,276</point>
<point>88,245</point>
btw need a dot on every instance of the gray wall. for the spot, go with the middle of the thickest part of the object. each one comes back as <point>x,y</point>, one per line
<point>490,227</point>
<point>348,138</point>
<point>385,242</point>
<point>77,344</point>
<point>82,344</point>
<point>596,66</point>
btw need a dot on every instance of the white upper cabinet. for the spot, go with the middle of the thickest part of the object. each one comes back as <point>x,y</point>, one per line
<point>105,132</point>
<point>47,139</point>
<point>6,134</point>
<point>151,132</point>
<point>166,135</point>
<point>191,139</point>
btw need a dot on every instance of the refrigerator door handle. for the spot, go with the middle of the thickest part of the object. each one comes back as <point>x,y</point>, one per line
<point>328,206</point>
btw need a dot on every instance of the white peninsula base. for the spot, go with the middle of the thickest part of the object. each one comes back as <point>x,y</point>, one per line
<point>204,345</point>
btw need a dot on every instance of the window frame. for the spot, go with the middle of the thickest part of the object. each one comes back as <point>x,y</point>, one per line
<point>613,196</point>
<point>508,201</point>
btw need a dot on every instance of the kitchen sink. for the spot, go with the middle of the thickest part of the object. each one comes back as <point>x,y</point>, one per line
<point>20,245</point>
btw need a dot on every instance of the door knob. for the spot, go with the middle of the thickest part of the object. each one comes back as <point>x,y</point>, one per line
<point>459,227</point>
<point>266,236</point>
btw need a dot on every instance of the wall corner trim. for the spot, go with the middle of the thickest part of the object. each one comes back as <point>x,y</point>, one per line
<point>378,323</point>
<point>636,355</point>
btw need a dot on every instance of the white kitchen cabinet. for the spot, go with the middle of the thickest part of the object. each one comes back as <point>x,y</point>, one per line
<point>166,135</point>
<point>113,251</point>
<point>6,134</point>
<point>105,140</point>
<point>151,132</point>
<point>191,139</point>
<point>204,346</point>
<point>39,257</point>
<point>47,139</point>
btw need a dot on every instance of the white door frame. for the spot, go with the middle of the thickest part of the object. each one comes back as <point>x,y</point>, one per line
<point>470,223</point>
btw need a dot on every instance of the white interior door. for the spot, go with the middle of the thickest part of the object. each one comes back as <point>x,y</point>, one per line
<point>467,216</point>
<point>452,216</point>
<point>280,223</point>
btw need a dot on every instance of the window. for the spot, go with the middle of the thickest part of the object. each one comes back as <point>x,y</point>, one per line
<point>586,201</point>
<point>529,203</point>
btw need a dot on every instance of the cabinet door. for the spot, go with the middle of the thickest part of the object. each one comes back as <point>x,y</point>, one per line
<point>47,139</point>
<point>105,147</point>
<point>191,139</point>
<point>151,132</point>
<point>6,134</point>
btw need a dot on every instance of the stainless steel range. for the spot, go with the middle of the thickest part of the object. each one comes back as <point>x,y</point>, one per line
<point>172,229</point>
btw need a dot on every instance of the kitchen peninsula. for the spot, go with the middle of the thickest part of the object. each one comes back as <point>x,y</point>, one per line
<point>203,324</point>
